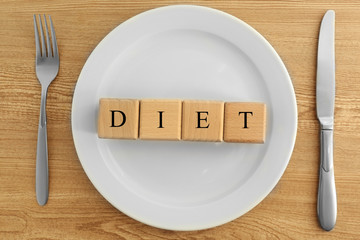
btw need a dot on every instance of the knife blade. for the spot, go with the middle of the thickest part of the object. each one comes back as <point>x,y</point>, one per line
<point>325,105</point>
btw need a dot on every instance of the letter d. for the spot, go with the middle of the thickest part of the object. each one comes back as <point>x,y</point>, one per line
<point>113,118</point>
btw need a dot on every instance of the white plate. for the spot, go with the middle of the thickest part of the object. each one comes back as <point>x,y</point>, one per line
<point>186,52</point>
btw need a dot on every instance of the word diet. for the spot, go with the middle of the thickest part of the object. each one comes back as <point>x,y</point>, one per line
<point>189,120</point>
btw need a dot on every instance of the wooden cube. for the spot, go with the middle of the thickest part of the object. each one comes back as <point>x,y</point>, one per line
<point>118,118</point>
<point>245,122</point>
<point>160,119</point>
<point>202,120</point>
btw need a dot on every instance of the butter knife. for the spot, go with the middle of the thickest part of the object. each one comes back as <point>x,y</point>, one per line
<point>325,101</point>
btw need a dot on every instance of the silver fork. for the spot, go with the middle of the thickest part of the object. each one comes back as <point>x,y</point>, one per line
<point>47,67</point>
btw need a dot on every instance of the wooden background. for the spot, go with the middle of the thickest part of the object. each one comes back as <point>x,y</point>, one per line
<point>75,210</point>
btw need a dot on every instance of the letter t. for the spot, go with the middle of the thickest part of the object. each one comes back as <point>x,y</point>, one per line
<point>245,117</point>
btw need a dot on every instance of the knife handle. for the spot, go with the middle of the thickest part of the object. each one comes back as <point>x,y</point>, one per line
<point>327,204</point>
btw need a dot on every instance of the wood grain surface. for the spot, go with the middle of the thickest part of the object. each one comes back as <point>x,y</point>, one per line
<point>76,210</point>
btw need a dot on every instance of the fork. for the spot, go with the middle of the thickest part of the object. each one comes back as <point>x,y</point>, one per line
<point>47,66</point>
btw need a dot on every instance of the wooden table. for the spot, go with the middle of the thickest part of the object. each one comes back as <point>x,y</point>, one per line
<point>76,210</point>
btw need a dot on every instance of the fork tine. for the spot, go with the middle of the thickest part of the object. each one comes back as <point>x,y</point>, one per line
<point>37,41</point>
<point>49,52</point>
<point>53,38</point>
<point>43,50</point>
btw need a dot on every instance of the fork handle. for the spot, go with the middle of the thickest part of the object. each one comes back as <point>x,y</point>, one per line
<point>42,177</point>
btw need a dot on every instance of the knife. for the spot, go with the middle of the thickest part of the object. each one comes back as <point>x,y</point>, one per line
<point>325,101</point>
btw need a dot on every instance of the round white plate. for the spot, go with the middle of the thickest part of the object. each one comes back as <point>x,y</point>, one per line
<point>184,52</point>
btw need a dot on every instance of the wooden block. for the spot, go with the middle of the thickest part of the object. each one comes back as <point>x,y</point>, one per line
<point>160,119</point>
<point>245,122</point>
<point>202,120</point>
<point>118,118</point>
